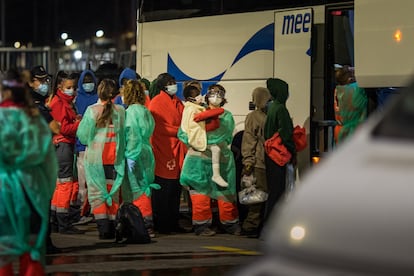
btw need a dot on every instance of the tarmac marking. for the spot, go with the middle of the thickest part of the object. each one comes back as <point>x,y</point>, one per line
<point>232,249</point>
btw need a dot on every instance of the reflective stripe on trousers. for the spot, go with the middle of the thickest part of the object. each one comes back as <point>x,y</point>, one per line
<point>103,211</point>
<point>202,213</point>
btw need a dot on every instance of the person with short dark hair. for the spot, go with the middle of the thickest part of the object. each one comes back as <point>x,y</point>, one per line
<point>197,177</point>
<point>196,121</point>
<point>169,152</point>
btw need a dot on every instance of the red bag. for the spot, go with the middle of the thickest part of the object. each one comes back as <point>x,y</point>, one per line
<point>299,137</point>
<point>276,150</point>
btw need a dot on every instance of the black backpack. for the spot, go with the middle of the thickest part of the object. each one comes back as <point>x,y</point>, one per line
<point>130,227</point>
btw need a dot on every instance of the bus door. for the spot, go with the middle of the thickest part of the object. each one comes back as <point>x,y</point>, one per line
<point>292,63</point>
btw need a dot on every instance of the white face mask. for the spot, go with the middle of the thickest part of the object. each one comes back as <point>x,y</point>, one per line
<point>214,100</point>
<point>171,89</point>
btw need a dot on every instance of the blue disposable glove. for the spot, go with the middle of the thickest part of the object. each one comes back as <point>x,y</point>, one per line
<point>131,164</point>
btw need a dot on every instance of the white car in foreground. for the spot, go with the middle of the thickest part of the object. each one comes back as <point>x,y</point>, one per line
<point>354,213</point>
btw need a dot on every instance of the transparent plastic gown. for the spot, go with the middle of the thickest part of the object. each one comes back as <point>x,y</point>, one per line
<point>197,168</point>
<point>139,126</point>
<point>28,173</point>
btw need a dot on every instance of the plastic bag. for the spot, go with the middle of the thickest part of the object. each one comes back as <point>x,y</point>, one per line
<point>290,178</point>
<point>250,194</point>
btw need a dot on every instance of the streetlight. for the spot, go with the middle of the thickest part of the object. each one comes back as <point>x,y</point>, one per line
<point>17,44</point>
<point>77,54</point>
<point>68,42</point>
<point>99,33</point>
<point>64,36</point>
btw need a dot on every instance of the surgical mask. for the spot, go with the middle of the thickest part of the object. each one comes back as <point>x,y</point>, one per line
<point>214,100</point>
<point>68,92</point>
<point>171,89</point>
<point>88,87</point>
<point>43,89</point>
<point>146,92</point>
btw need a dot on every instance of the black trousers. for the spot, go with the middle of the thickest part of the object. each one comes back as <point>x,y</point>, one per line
<point>166,205</point>
<point>276,184</point>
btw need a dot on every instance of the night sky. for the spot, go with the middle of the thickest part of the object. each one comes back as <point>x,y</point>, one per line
<point>42,21</point>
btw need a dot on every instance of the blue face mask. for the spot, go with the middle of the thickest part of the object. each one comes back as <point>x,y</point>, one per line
<point>68,92</point>
<point>43,89</point>
<point>88,87</point>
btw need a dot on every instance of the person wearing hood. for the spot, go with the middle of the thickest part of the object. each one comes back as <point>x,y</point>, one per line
<point>278,120</point>
<point>87,95</point>
<point>126,74</point>
<point>252,150</point>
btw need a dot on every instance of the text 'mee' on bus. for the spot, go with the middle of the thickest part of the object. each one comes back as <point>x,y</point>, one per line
<point>242,47</point>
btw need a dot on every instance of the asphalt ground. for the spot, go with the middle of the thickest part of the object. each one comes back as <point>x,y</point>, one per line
<point>176,254</point>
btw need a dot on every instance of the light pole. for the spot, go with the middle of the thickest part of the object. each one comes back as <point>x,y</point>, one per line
<point>3,22</point>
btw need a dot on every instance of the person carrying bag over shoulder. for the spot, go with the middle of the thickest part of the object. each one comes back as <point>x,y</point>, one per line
<point>278,134</point>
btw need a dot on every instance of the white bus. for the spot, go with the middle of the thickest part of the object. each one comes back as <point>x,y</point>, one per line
<point>299,44</point>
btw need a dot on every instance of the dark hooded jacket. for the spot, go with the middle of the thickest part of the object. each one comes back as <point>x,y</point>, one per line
<point>128,74</point>
<point>85,99</point>
<point>252,148</point>
<point>278,117</point>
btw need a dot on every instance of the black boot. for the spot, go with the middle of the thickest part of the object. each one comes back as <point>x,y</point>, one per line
<point>53,222</point>
<point>65,225</point>
<point>106,229</point>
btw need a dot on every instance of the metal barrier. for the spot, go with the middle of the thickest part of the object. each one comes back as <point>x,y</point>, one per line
<point>63,59</point>
<point>24,58</point>
<point>323,138</point>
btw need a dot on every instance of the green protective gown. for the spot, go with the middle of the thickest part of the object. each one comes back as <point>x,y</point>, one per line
<point>28,173</point>
<point>94,138</point>
<point>139,126</point>
<point>352,108</point>
<point>197,168</point>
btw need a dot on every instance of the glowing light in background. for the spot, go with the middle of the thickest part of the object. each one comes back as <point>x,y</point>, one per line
<point>68,42</point>
<point>398,36</point>
<point>297,233</point>
<point>99,33</point>
<point>17,44</point>
<point>77,54</point>
<point>64,36</point>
